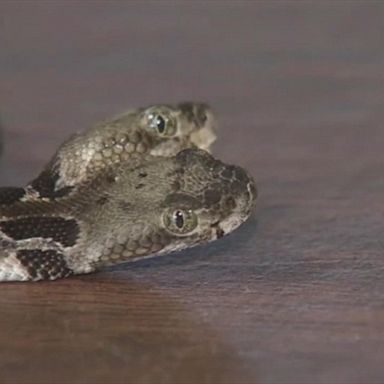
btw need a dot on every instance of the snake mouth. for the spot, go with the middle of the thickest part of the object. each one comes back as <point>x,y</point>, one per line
<point>245,199</point>
<point>241,206</point>
<point>218,230</point>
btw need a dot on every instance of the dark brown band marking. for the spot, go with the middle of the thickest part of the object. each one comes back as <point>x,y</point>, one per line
<point>11,195</point>
<point>45,185</point>
<point>46,265</point>
<point>63,231</point>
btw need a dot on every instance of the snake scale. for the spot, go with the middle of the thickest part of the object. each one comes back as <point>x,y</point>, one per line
<point>138,185</point>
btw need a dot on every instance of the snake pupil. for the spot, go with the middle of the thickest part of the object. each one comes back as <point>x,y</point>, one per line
<point>179,219</point>
<point>160,124</point>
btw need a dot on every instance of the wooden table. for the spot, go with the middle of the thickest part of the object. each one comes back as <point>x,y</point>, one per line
<point>296,295</point>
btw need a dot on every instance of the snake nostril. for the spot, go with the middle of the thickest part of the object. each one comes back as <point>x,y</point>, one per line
<point>219,232</point>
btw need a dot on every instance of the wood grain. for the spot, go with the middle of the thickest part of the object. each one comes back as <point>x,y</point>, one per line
<point>296,294</point>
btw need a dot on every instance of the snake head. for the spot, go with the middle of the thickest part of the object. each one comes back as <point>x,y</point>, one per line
<point>168,204</point>
<point>157,130</point>
<point>176,127</point>
<point>220,196</point>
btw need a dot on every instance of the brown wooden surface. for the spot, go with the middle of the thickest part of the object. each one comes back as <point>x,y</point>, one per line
<point>294,296</point>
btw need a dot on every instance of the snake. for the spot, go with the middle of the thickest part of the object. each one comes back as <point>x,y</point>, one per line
<point>156,130</point>
<point>80,219</point>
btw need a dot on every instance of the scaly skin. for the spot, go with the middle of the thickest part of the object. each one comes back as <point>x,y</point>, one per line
<point>131,135</point>
<point>137,209</point>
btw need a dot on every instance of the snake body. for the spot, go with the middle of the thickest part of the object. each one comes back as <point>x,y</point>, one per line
<point>92,206</point>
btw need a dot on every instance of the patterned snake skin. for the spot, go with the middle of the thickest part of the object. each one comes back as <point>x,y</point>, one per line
<point>145,203</point>
<point>158,130</point>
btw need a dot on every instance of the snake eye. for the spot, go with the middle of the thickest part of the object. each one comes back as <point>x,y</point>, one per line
<point>180,221</point>
<point>161,122</point>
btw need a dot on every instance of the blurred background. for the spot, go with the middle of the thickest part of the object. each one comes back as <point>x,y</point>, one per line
<point>293,296</point>
<point>268,68</point>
